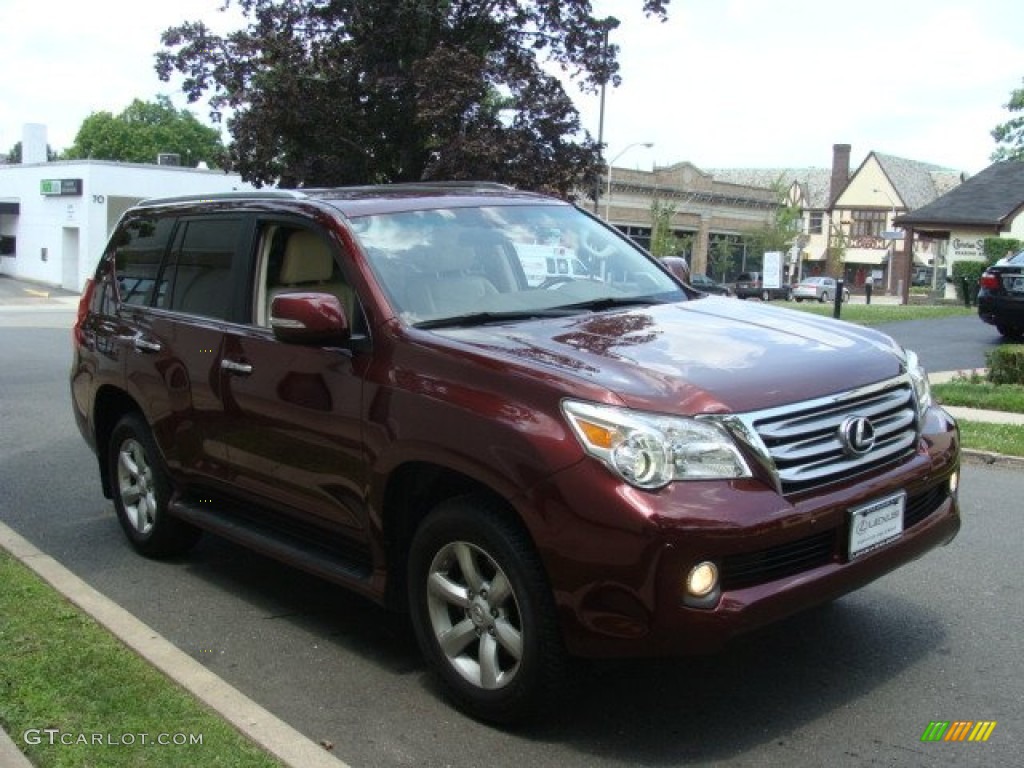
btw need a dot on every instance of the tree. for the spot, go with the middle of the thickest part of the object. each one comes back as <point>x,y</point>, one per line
<point>1010,135</point>
<point>781,229</point>
<point>357,91</point>
<point>144,130</point>
<point>665,242</point>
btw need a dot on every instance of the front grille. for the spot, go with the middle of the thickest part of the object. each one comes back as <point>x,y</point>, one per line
<point>921,505</point>
<point>777,562</point>
<point>803,440</point>
<point>749,569</point>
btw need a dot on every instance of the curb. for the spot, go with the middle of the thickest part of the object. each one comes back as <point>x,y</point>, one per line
<point>10,755</point>
<point>988,458</point>
<point>275,736</point>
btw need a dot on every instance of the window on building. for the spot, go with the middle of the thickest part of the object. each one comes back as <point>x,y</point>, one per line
<point>868,223</point>
<point>639,235</point>
<point>815,222</point>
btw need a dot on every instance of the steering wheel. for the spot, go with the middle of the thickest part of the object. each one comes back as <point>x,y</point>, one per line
<point>555,282</point>
<point>598,244</point>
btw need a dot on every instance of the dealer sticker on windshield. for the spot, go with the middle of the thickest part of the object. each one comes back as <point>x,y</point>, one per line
<point>877,523</point>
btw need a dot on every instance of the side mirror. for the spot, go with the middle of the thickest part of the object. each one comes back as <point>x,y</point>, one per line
<point>309,318</point>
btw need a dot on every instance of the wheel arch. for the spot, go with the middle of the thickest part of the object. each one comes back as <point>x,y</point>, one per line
<point>110,407</point>
<point>413,489</point>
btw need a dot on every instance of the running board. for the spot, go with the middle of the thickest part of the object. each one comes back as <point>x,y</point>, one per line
<point>329,564</point>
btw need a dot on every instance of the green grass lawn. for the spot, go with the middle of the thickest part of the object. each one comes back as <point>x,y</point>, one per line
<point>879,314</point>
<point>975,392</point>
<point>61,671</point>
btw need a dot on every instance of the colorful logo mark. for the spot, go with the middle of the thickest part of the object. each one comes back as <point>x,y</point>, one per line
<point>958,730</point>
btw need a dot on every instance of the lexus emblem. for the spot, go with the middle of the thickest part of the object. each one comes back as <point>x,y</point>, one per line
<point>857,435</point>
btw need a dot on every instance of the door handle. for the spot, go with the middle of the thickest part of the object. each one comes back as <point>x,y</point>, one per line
<point>142,344</point>
<point>231,366</point>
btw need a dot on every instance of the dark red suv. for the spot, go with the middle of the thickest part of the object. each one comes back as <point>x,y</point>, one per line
<point>368,384</point>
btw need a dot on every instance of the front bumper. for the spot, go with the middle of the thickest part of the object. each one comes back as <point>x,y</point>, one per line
<point>617,557</point>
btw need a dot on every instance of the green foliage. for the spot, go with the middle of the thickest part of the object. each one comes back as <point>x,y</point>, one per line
<point>1009,136</point>
<point>355,91</point>
<point>972,271</point>
<point>782,228</point>
<point>997,247</point>
<point>665,242</point>
<point>1006,364</point>
<point>144,130</point>
<point>720,257</point>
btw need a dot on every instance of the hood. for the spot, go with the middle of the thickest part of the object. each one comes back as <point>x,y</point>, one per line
<point>709,355</point>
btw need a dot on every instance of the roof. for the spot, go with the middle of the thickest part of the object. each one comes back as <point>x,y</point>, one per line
<point>814,182</point>
<point>917,183</point>
<point>988,199</point>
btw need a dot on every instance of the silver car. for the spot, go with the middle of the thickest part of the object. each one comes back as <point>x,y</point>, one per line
<point>819,289</point>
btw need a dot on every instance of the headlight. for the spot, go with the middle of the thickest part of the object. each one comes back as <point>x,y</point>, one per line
<point>919,378</point>
<point>650,450</point>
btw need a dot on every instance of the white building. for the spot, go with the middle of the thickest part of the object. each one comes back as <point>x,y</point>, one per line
<point>56,217</point>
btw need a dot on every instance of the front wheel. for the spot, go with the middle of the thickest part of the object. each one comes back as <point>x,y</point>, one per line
<point>142,491</point>
<point>765,296</point>
<point>483,612</point>
<point>824,297</point>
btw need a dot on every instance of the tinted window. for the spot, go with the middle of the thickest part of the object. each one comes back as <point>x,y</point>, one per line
<point>200,274</point>
<point>138,250</point>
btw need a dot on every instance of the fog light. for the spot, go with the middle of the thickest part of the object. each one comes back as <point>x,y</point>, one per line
<point>954,482</point>
<point>703,579</point>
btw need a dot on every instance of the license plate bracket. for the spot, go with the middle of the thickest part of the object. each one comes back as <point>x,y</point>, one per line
<point>876,523</point>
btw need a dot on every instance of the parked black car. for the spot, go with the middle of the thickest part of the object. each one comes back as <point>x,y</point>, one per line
<point>1001,297</point>
<point>751,285</point>
<point>707,285</point>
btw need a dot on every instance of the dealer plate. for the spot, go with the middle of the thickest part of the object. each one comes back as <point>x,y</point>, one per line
<point>876,523</point>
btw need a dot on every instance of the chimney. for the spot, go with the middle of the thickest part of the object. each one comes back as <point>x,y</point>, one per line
<point>840,170</point>
<point>33,143</point>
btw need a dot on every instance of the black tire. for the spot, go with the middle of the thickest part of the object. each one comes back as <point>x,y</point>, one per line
<point>1010,332</point>
<point>824,297</point>
<point>505,660</point>
<point>797,299</point>
<point>142,490</point>
<point>766,296</point>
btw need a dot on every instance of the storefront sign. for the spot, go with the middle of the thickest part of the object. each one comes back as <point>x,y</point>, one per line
<point>60,187</point>
<point>966,246</point>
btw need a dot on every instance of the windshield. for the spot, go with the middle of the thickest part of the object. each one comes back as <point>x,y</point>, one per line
<point>506,261</point>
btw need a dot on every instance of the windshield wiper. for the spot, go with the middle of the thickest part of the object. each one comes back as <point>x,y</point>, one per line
<point>614,302</point>
<point>483,318</point>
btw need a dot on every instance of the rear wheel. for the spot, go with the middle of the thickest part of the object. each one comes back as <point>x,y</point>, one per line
<point>765,296</point>
<point>142,491</point>
<point>483,611</point>
<point>1010,332</point>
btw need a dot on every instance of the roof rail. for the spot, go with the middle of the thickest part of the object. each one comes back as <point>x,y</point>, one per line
<point>255,194</point>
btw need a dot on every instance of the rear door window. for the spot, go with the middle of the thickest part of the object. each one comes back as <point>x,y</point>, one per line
<point>201,272</point>
<point>139,249</point>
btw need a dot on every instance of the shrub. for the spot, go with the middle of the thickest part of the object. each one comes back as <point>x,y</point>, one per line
<point>1006,364</point>
<point>972,271</point>
<point>997,247</point>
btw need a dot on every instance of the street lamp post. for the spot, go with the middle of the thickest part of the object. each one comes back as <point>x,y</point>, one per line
<point>608,187</point>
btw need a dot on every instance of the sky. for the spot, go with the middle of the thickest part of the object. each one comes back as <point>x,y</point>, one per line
<point>722,84</point>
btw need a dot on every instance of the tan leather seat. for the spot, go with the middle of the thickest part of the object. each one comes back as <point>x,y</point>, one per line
<point>308,265</point>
